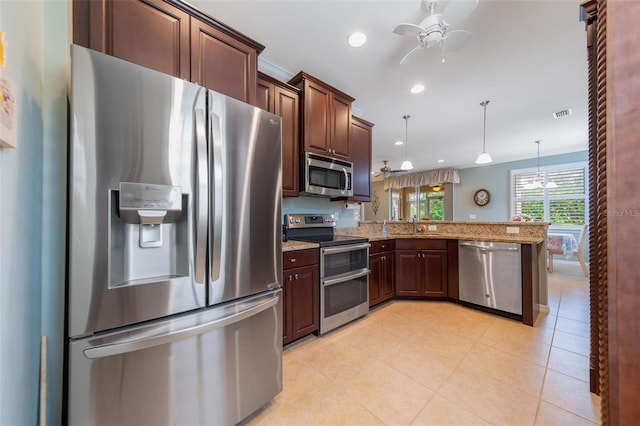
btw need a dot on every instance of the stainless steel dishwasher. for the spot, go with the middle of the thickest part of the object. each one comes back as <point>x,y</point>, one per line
<point>491,275</point>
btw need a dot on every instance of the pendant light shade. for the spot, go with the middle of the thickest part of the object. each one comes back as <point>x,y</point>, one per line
<point>484,157</point>
<point>406,164</point>
<point>536,184</point>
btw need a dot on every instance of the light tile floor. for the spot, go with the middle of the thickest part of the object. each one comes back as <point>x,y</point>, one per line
<point>438,363</point>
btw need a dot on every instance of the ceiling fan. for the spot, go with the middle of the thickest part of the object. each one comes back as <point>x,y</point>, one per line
<point>435,28</point>
<point>388,171</point>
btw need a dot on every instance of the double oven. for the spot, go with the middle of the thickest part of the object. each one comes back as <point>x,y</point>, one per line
<point>344,268</point>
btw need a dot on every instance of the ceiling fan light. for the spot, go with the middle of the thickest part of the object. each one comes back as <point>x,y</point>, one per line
<point>406,165</point>
<point>484,158</point>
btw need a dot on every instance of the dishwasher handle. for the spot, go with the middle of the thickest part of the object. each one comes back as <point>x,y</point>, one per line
<point>484,248</point>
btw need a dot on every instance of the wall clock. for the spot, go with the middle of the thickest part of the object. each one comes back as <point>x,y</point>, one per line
<point>482,197</point>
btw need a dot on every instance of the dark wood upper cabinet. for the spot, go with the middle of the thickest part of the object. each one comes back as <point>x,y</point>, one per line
<point>151,33</point>
<point>282,99</point>
<point>221,63</point>
<point>361,139</point>
<point>326,117</point>
<point>172,37</point>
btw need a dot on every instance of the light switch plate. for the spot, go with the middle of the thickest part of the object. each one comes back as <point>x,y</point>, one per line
<point>513,230</point>
<point>432,227</point>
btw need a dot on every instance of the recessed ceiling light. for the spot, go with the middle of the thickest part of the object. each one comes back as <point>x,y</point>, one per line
<point>398,143</point>
<point>440,161</point>
<point>357,39</point>
<point>418,88</point>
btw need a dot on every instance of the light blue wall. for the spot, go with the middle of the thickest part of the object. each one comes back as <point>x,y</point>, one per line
<point>495,178</point>
<point>344,216</point>
<point>32,209</point>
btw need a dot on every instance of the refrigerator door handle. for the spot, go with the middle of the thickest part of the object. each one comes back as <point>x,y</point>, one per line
<point>202,196</point>
<point>217,176</point>
<point>108,350</point>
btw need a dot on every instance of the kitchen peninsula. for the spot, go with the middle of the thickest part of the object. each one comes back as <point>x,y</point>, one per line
<point>421,260</point>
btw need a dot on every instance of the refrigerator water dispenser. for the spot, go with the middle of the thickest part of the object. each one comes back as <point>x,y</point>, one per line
<point>148,234</point>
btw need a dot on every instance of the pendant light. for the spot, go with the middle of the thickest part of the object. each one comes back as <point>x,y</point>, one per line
<point>484,158</point>
<point>536,184</point>
<point>406,164</point>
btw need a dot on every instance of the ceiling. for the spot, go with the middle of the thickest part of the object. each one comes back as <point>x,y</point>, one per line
<point>528,58</point>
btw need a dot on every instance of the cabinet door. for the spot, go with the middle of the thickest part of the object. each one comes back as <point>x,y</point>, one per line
<point>340,126</point>
<point>434,273</point>
<point>388,277</point>
<point>316,118</point>
<point>151,33</point>
<point>222,63</point>
<point>304,301</point>
<point>376,276</point>
<point>264,95</point>
<point>286,106</point>
<point>287,280</point>
<point>408,272</point>
<point>361,158</point>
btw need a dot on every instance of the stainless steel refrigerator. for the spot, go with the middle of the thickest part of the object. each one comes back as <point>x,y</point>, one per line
<point>174,260</point>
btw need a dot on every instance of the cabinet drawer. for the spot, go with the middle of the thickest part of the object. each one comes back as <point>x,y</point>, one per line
<point>418,244</point>
<point>298,258</point>
<point>380,246</point>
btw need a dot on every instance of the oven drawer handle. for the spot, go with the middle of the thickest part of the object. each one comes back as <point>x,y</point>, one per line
<point>334,281</point>
<point>345,248</point>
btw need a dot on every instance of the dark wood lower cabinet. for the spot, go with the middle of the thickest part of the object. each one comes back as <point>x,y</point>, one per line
<point>421,268</point>
<point>381,278</point>
<point>301,295</point>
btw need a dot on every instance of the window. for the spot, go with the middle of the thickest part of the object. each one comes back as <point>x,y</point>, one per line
<point>395,206</point>
<point>430,205</point>
<point>566,204</point>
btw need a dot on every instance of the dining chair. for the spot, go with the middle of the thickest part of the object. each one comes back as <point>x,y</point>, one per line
<point>577,253</point>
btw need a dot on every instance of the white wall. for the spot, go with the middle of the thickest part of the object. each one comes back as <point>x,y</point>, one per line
<point>32,209</point>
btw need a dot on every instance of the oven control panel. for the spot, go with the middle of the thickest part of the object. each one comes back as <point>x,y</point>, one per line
<point>309,220</point>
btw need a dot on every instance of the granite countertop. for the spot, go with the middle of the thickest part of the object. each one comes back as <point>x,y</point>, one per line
<point>298,245</point>
<point>301,245</point>
<point>451,236</point>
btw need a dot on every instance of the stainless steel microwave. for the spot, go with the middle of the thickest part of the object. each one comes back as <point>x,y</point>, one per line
<point>325,176</point>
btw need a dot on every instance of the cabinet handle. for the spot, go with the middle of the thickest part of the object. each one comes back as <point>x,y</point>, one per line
<point>292,260</point>
<point>383,246</point>
<point>296,276</point>
<point>290,278</point>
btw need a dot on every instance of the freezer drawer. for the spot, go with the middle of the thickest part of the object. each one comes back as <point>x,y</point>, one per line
<point>491,275</point>
<point>214,367</point>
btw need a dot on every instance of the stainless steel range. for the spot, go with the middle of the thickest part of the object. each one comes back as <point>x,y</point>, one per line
<point>344,268</point>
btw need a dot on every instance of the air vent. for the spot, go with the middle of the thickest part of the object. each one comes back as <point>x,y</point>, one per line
<point>563,113</point>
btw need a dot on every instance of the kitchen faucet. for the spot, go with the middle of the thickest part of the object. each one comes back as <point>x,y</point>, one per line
<point>414,219</point>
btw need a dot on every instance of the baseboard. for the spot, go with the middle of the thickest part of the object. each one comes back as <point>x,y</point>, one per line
<point>543,308</point>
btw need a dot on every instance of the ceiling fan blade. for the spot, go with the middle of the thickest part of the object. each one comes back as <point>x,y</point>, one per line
<point>410,52</point>
<point>455,40</point>
<point>408,30</point>
<point>457,11</point>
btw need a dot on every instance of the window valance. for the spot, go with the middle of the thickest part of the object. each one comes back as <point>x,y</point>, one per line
<point>429,177</point>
